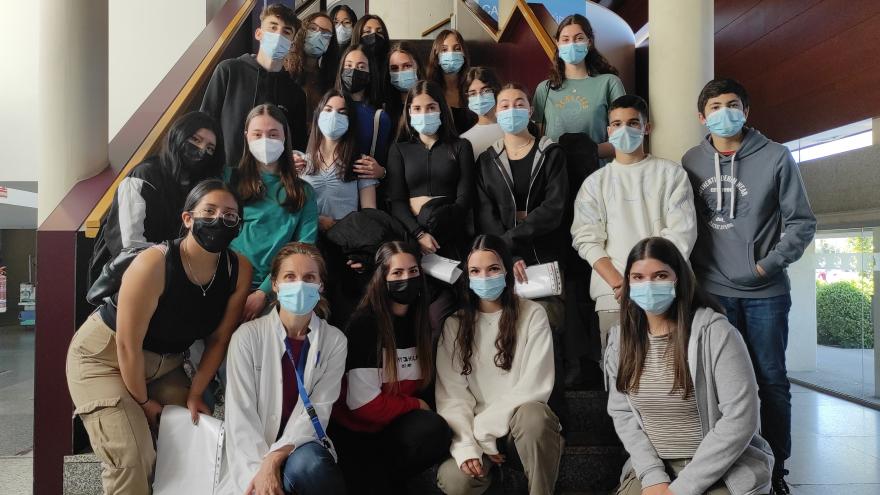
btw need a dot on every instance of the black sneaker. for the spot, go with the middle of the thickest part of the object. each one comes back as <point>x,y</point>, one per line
<point>780,487</point>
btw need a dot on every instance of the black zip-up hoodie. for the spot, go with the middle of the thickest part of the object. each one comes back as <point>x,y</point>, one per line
<point>540,238</point>
<point>240,84</point>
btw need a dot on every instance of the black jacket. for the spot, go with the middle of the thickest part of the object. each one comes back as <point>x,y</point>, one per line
<point>540,238</point>
<point>146,209</point>
<point>360,234</point>
<point>240,84</point>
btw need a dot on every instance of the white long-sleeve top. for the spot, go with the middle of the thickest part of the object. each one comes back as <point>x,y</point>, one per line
<point>254,395</point>
<point>619,205</point>
<point>478,406</point>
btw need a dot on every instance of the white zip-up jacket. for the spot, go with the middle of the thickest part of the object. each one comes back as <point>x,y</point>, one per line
<point>254,394</point>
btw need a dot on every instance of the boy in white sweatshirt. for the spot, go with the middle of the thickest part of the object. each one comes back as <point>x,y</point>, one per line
<point>635,196</point>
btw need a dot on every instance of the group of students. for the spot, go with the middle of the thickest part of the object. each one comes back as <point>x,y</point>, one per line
<point>241,228</point>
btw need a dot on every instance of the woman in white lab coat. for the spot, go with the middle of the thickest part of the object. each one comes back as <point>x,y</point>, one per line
<point>272,443</point>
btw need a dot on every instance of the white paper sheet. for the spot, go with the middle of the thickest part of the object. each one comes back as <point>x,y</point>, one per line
<point>545,280</point>
<point>443,269</point>
<point>187,456</point>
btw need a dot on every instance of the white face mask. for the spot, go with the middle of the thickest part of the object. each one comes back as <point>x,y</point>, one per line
<point>266,150</point>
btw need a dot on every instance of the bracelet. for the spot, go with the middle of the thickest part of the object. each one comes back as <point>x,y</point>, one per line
<point>385,174</point>
<point>144,402</point>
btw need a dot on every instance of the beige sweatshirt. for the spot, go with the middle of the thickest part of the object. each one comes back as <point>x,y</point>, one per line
<point>478,406</point>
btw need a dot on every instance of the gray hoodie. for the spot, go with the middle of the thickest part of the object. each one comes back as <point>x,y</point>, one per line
<point>760,216</point>
<point>727,402</point>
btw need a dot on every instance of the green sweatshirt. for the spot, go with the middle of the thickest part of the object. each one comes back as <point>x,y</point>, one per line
<point>268,226</point>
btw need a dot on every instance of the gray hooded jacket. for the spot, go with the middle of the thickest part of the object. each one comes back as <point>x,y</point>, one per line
<point>759,216</point>
<point>727,402</point>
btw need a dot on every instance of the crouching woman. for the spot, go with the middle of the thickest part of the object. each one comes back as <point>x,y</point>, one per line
<point>284,372</point>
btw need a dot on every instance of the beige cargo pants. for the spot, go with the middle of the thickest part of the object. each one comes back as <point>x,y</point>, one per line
<point>116,424</point>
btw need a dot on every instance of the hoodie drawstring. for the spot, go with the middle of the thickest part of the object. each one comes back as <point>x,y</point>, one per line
<point>719,198</point>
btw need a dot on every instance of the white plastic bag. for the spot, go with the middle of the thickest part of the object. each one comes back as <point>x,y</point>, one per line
<point>443,269</point>
<point>545,280</point>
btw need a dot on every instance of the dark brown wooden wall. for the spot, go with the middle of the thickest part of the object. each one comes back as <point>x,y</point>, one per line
<point>809,65</point>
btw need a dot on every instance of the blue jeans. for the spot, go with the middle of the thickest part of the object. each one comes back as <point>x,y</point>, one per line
<point>310,469</point>
<point>763,324</point>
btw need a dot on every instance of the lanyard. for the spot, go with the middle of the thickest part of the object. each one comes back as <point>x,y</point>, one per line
<point>299,370</point>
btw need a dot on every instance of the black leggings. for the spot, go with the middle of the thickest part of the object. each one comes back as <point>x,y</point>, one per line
<point>382,462</point>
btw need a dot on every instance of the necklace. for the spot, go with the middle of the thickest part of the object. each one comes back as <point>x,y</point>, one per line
<point>206,288</point>
<point>520,147</point>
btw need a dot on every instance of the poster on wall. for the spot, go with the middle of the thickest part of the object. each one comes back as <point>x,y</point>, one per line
<point>560,9</point>
<point>2,289</point>
<point>27,300</point>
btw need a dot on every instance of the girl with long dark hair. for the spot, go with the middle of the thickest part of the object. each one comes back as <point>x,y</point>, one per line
<point>313,59</point>
<point>448,64</point>
<point>384,430</point>
<point>482,87</point>
<point>404,71</point>
<point>146,205</point>
<point>279,206</point>
<point>126,361</point>
<point>344,20</point>
<point>431,173</point>
<point>682,391</point>
<point>494,376</point>
<point>359,78</point>
<point>582,84</point>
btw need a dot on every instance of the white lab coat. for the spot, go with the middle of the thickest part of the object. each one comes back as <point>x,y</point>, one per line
<point>254,394</point>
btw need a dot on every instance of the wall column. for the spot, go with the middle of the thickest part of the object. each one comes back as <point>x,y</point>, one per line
<point>681,62</point>
<point>802,332</point>
<point>72,82</point>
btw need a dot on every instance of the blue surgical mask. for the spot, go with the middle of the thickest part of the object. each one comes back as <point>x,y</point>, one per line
<point>488,288</point>
<point>274,45</point>
<point>343,33</point>
<point>404,79</point>
<point>317,43</point>
<point>451,62</point>
<point>513,120</point>
<point>299,298</point>
<point>653,297</point>
<point>481,104</point>
<point>726,122</point>
<point>626,139</point>
<point>333,125</point>
<point>573,53</point>
<point>425,123</point>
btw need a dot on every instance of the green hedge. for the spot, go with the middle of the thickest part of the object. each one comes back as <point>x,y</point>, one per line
<point>843,316</point>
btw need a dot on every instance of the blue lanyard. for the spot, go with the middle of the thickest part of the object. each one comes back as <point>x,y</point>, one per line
<point>299,370</point>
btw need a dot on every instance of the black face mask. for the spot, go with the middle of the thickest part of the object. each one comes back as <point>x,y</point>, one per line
<point>212,234</point>
<point>375,45</point>
<point>196,162</point>
<point>404,291</point>
<point>354,80</point>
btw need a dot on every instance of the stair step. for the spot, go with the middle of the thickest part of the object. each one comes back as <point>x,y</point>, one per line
<point>584,470</point>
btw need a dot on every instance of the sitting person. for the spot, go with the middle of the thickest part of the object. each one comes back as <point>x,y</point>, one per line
<point>274,363</point>
<point>126,361</point>
<point>494,377</point>
<point>385,431</point>
<point>682,391</point>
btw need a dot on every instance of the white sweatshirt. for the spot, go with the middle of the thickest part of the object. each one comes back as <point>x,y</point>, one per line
<point>478,406</point>
<point>619,205</point>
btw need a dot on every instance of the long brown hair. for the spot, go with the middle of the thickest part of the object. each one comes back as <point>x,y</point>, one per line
<point>505,342</point>
<point>323,307</point>
<point>435,72</point>
<point>246,178</point>
<point>343,155</point>
<point>377,304</point>
<point>689,297</point>
<point>596,63</point>
<point>295,60</point>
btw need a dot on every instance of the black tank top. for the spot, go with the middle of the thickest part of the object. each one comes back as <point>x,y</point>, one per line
<point>183,314</point>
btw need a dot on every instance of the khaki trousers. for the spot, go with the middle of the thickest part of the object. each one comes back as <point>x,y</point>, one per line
<point>632,486</point>
<point>116,424</point>
<point>536,444</point>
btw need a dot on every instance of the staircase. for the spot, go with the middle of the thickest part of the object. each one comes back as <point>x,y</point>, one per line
<point>591,461</point>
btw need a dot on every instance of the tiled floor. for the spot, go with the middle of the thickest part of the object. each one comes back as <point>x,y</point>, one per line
<point>835,444</point>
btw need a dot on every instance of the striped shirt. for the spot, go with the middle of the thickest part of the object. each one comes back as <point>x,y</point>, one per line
<point>671,423</point>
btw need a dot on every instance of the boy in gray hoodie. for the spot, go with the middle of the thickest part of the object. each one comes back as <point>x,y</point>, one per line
<point>754,219</point>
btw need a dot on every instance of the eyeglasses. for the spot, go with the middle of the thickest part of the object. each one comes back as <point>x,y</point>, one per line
<point>314,28</point>
<point>483,92</point>
<point>229,218</point>
<point>346,23</point>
